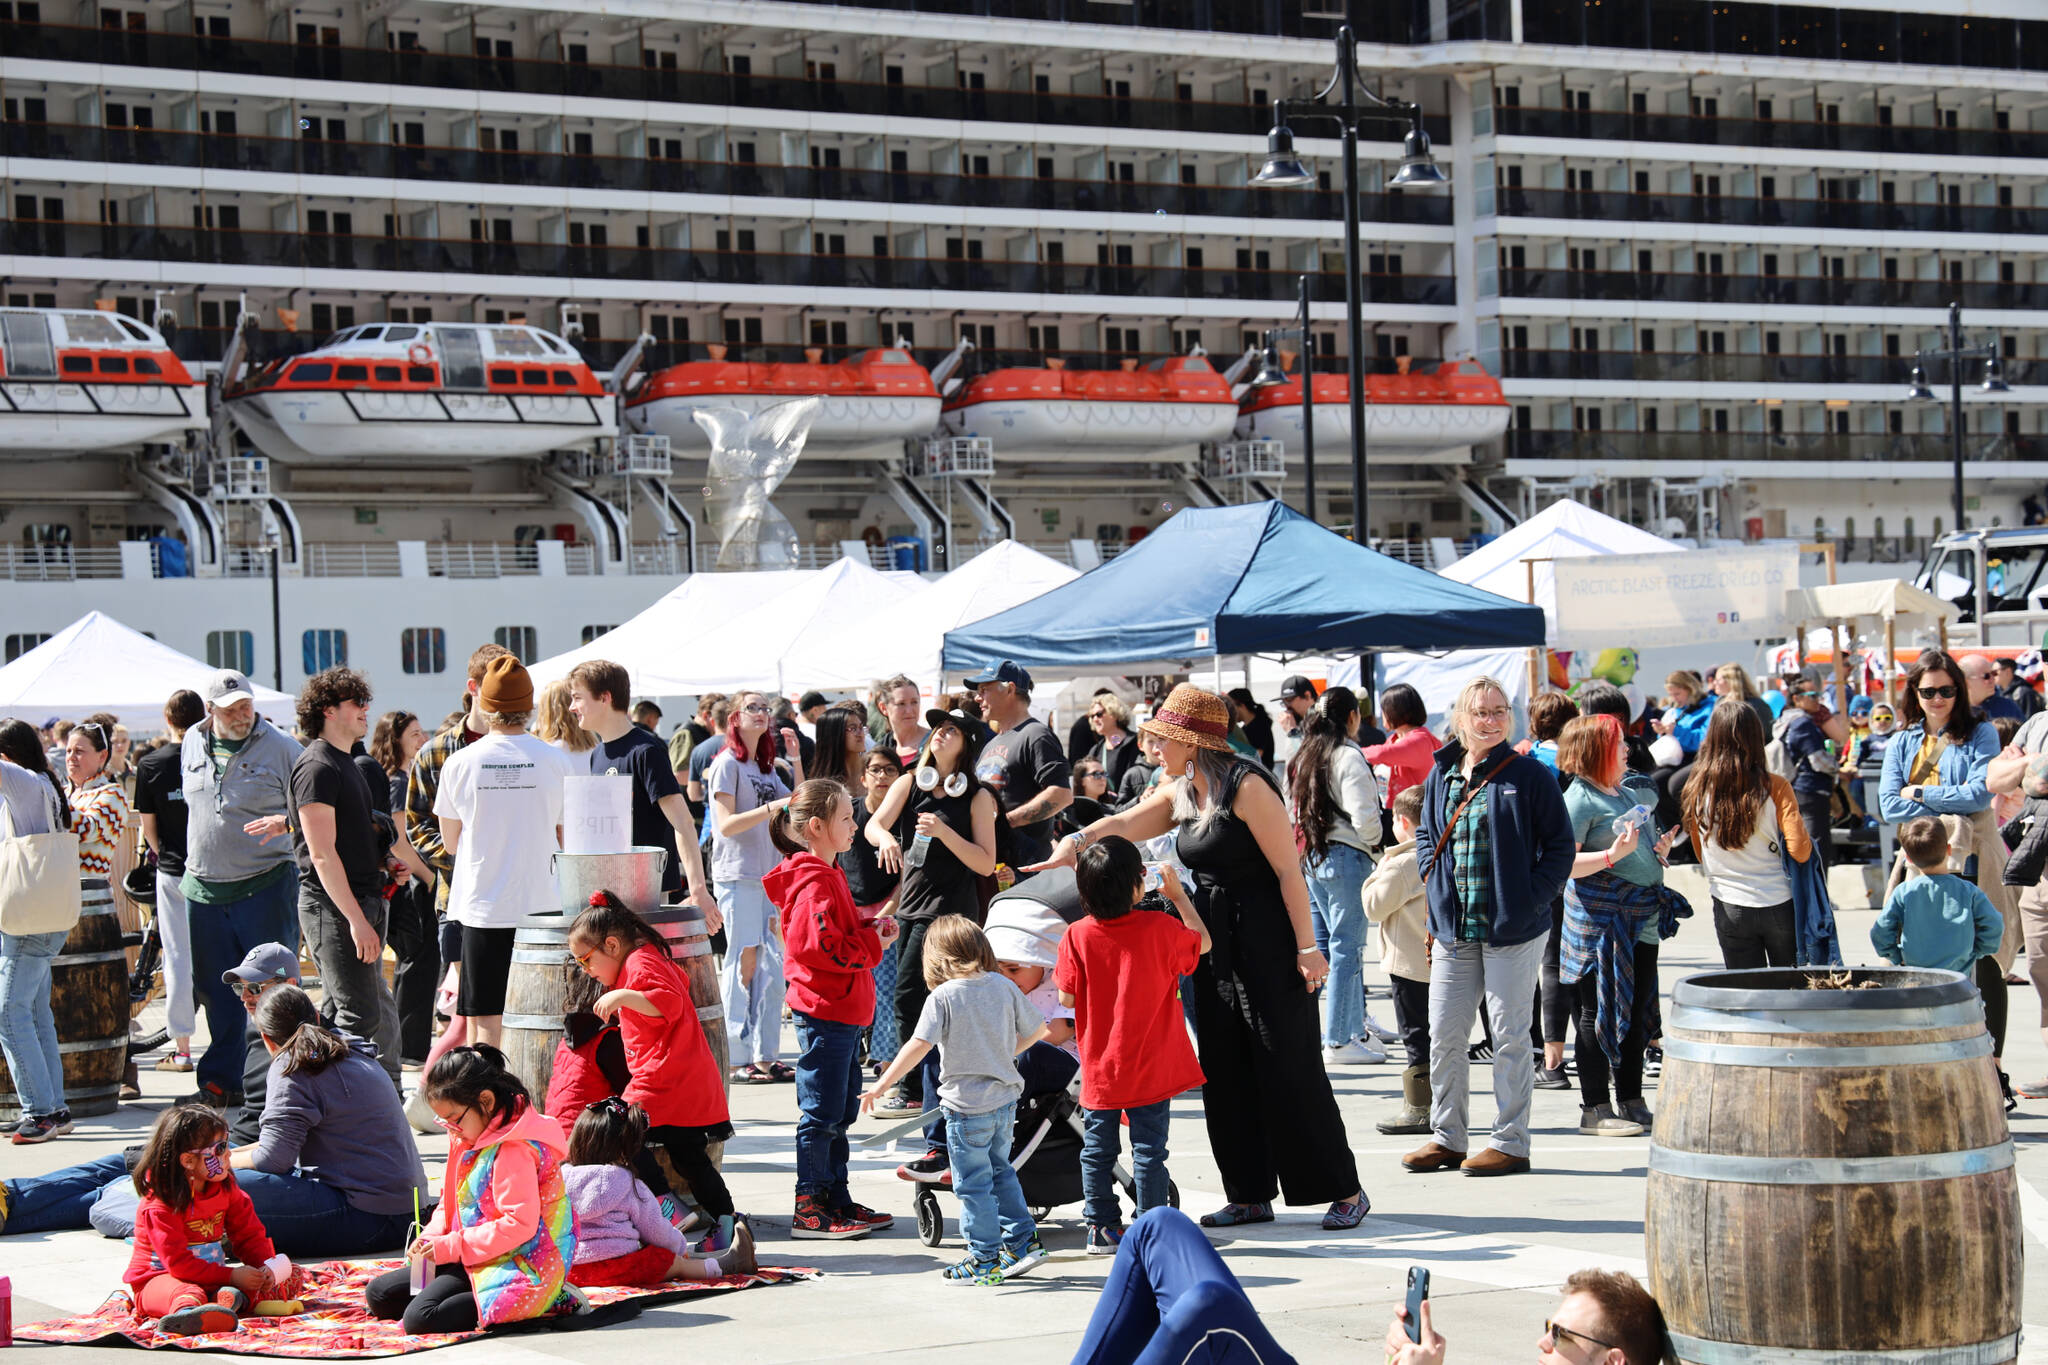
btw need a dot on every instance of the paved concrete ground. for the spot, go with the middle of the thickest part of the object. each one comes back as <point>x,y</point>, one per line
<point>1496,1249</point>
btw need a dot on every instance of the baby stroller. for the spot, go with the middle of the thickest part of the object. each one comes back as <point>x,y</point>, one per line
<point>1046,1150</point>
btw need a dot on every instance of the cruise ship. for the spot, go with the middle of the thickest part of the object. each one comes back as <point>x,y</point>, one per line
<point>429,311</point>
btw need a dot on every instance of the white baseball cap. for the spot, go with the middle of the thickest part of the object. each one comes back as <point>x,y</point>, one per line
<point>228,687</point>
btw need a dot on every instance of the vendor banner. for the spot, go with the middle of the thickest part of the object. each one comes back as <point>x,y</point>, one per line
<point>1694,597</point>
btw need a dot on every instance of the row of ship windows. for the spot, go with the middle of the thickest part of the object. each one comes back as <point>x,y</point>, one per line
<point>421,649</point>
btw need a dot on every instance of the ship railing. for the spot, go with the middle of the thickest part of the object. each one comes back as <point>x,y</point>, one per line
<point>1245,460</point>
<point>951,457</point>
<point>59,563</point>
<point>486,560</point>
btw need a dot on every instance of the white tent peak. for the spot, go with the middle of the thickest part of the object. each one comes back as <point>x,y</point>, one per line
<point>1563,530</point>
<point>98,664</point>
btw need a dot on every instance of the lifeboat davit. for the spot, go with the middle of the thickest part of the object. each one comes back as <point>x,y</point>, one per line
<point>424,391</point>
<point>1410,415</point>
<point>1056,413</point>
<point>77,381</point>
<point>877,397</point>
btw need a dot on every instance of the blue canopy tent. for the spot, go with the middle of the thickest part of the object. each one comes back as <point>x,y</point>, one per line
<point>1255,579</point>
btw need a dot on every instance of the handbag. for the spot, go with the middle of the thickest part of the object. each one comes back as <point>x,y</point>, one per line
<point>39,891</point>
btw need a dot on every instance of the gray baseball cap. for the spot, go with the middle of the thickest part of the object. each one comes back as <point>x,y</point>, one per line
<point>265,962</point>
<point>227,687</point>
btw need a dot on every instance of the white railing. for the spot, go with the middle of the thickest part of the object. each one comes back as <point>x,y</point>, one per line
<point>486,560</point>
<point>59,563</point>
<point>344,560</point>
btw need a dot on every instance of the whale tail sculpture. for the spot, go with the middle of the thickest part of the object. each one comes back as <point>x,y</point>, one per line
<point>751,454</point>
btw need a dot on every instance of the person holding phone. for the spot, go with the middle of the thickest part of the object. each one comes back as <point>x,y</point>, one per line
<point>1605,1318</point>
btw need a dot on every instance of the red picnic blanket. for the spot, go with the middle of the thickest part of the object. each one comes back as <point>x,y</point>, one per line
<point>337,1324</point>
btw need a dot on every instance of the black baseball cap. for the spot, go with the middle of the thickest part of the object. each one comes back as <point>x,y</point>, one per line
<point>1296,687</point>
<point>1004,672</point>
<point>971,730</point>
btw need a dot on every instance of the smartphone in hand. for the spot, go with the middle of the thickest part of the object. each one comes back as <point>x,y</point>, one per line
<point>1418,1291</point>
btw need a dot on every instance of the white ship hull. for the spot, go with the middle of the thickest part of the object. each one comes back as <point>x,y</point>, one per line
<point>1062,429</point>
<point>1410,430</point>
<point>296,426</point>
<point>42,417</point>
<point>842,421</point>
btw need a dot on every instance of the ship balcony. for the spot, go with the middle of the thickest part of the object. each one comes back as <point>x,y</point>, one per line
<point>311,251</point>
<point>1748,134</point>
<point>1824,291</point>
<point>230,56</point>
<point>455,166</point>
<point>1764,448</point>
<point>1854,215</point>
<point>1704,367</point>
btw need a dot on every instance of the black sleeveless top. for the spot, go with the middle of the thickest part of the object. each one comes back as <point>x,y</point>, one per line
<point>942,885</point>
<point>1236,890</point>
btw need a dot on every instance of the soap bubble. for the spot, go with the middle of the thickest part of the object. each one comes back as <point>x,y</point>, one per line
<point>707,490</point>
<point>1167,508</point>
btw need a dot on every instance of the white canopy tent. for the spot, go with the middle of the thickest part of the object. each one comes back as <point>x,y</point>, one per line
<point>98,664</point>
<point>1563,530</point>
<point>724,631</point>
<point>853,651</point>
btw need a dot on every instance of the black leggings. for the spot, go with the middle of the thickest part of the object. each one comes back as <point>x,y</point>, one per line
<point>911,993</point>
<point>1411,1018</point>
<point>1593,1069</point>
<point>1991,985</point>
<point>689,1152</point>
<point>445,1305</point>
<point>1555,1002</point>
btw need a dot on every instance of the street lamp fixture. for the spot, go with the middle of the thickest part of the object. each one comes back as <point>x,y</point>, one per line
<point>1270,369</point>
<point>1347,103</point>
<point>1957,354</point>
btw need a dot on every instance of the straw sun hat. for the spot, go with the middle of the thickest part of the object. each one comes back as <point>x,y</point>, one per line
<point>1191,716</point>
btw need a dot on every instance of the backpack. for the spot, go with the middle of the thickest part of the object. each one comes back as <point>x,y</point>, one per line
<point>1778,759</point>
<point>39,891</point>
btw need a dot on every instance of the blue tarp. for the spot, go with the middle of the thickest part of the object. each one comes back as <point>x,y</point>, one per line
<point>1254,579</point>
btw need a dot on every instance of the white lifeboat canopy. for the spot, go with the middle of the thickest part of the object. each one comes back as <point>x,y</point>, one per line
<point>427,392</point>
<point>79,381</point>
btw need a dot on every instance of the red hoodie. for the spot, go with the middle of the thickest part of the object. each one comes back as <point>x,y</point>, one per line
<point>828,950</point>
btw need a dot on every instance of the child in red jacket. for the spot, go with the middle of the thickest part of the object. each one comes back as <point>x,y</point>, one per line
<point>193,1219</point>
<point>674,1079</point>
<point>828,955</point>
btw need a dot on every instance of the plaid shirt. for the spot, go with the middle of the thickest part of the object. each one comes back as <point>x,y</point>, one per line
<point>422,826</point>
<point>1471,855</point>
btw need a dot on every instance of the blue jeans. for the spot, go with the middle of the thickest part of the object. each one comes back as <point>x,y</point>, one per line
<point>311,1220</point>
<point>1336,882</point>
<point>222,936</point>
<point>1099,1147</point>
<point>1045,1070</point>
<point>28,1030</point>
<point>992,1209</point>
<point>753,1004</point>
<point>828,1101</point>
<point>63,1200</point>
<point>1167,1297</point>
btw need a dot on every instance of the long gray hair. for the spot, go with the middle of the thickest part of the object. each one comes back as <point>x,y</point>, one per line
<point>1189,810</point>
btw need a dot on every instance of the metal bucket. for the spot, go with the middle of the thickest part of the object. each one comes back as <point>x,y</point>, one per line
<point>633,876</point>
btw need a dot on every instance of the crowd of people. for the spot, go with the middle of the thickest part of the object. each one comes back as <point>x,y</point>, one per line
<point>1220,860</point>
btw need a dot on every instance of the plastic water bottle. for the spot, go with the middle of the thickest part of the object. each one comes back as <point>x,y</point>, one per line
<point>1636,816</point>
<point>914,855</point>
<point>1155,877</point>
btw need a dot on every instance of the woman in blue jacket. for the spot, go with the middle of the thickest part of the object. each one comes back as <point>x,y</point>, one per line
<point>1937,764</point>
<point>1494,848</point>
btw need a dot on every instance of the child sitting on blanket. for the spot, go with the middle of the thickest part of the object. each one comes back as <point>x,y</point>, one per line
<point>590,1061</point>
<point>622,1235</point>
<point>502,1237</point>
<point>193,1219</point>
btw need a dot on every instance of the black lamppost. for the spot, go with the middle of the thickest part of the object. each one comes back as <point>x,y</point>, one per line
<point>1271,371</point>
<point>1956,354</point>
<point>1284,170</point>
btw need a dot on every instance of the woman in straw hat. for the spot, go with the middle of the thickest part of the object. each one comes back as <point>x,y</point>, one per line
<point>1273,1123</point>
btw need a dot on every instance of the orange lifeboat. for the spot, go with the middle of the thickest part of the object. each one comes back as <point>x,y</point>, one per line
<point>1055,413</point>
<point>78,381</point>
<point>880,396</point>
<point>1407,414</point>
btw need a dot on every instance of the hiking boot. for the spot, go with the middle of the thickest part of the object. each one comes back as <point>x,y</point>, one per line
<point>930,1169</point>
<point>1432,1156</point>
<point>865,1216</point>
<point>1102,1241</point>
<point>1023,1262</point>
<point>1602,1121</point>
<point>815,1222</point>
<point>1414,1115</point>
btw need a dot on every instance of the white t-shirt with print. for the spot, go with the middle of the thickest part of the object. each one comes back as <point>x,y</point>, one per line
<point>750,854</point>
<point>507,792</point>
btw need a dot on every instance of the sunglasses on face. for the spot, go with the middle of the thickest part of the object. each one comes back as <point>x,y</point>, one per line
<point>1947,693</point>
<point>253,991</point>
<point>757,709</point>
<point>1560,1334</point>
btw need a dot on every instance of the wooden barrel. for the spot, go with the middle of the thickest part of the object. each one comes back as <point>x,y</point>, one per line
<point>535,990</point>
<point>89,996</point>
<point>1831,1177</point>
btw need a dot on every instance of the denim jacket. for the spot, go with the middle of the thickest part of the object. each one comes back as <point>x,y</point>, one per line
<point>1960,788</point>
<point>256,783</point>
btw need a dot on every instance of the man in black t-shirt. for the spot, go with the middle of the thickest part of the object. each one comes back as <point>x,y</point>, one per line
<point>160,801</point>
<point>334,835</point>
<point>1023,765</point>
<point>661,812</point>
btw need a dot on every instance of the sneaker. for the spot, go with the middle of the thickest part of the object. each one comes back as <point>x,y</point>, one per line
<point>232,1299</point>
<point>1481,1051</point>
<point>982,1274</point>
<point>1549,1079</point>
<point>1357,1052</point>
<point>1015,1263</point>
<point>1102,1241</point>
<point>865,1216</point>
<point>420,1114</point>
<point>1653,1061</point>
<point>201,1319</point>
<point>41,1129</point>
<point>930,1169</point>
<point>1378,1032</point>
<point>815,1222</point>
<point>2012,1101</point>
<point>680,1216</point>
<point>174,1061</point>
<point>216,1097</point>
<point>572,1302</point>
<point>1602,1121</point>
<point>897,1105</point>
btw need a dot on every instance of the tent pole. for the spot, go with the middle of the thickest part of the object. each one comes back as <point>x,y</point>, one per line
<point>1891,650</point>
<point>1535,654</point>
<point>1839,641</point>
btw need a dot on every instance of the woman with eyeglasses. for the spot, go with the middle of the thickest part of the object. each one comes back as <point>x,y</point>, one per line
<point>100,812</point>
<point>1938,763</point>
<point>1115,748</point>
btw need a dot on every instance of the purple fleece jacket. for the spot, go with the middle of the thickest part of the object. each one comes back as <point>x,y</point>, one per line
<point>616,1215</point>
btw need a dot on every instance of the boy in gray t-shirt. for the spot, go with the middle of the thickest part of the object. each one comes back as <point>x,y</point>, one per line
<point>979,1024</point>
